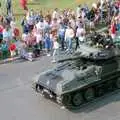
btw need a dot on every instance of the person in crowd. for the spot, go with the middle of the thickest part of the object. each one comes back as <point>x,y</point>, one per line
<point>25,27</point>
<point>61,35</point>
<point>23,52</point>
<point>55,13</point>
<point>39,42</point>
<point>40,25</point>
<point>1,33</point>
<point>31,19</point>
<point>39,16</point>
<point>78,11</point>
<point>117,20</point>
<point>69,36</point>
<point>4,48</point>
<point>47,41</point>
<point>9,6</point>
<point>80,36</point>
<point>72,22</point>
<point>7,34</point>
<point>12,49</point>
<point>54,24</point>
<point>23,4</point>
<point>30,39</point>
<point>113,28</point>
<point>55,48</point>
<point>108,43</point>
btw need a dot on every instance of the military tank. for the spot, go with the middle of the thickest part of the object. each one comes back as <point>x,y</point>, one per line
<point>81,77</point>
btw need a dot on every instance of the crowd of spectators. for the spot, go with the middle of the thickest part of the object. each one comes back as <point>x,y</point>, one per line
<point>57,30</point>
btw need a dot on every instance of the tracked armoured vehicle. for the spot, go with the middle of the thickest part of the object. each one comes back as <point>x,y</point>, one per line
<point>77,79</point>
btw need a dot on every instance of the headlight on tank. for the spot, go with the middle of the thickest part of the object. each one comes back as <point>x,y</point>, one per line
<point>59,89</point>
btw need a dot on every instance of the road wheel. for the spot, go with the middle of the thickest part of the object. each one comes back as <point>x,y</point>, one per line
<point>89,94</point>
<point>118,83</point>
<point>109,86</point>
<point>77,99</point>
<point>66,99</point>
<point>100,91</point>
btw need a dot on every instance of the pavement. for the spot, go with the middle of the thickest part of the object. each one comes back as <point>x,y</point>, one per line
<point>18,101</point>
<point>8,60</point>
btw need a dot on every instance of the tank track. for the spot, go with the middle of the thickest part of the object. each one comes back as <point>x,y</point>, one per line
<point>98,92</point>
<point>85,95</point>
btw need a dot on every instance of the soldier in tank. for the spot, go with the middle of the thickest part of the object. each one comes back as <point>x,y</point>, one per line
<point>108,42</point>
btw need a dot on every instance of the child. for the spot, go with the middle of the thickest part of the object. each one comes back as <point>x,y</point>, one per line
<point>4,48</point>
<point>47,43</point>
<point>12,49</point>
<point>55,48</point>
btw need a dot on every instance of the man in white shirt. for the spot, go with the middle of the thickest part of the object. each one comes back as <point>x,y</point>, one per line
<point>69,35</point>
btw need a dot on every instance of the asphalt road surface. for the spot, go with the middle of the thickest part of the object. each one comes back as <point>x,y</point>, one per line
<point>18,101</point>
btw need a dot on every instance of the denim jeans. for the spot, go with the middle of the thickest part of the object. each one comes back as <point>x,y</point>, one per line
<point>61,38</point>
<point>69,44</point>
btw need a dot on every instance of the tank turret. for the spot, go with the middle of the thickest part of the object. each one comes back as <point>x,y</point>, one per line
<point>97,53</point>
<point>98,47</point>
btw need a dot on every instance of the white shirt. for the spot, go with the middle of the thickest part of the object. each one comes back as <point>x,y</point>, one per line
<point>78,12</point>
<point>101,3</point>
<point>55,45</point>
<point>69,33</point>
<point>12,24</point>
<point>73,23</point>
<point>7,35</point>
<point>24,37</point>
<point>55,15</point>
<point>54,25</point>
<point>40,25</point>
<point>80,32</point>
<point>39,37</point>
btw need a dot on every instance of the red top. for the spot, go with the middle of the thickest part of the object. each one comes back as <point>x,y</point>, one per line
<point>1,28</point>
<point>16,32</point>
<point>113,28</point>
<point>23,2</point>
<point>12,47</point>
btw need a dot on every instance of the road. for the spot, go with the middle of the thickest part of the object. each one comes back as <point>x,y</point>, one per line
<point>18,101</point>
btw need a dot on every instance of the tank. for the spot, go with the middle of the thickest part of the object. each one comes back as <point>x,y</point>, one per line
<point>81,77</point>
